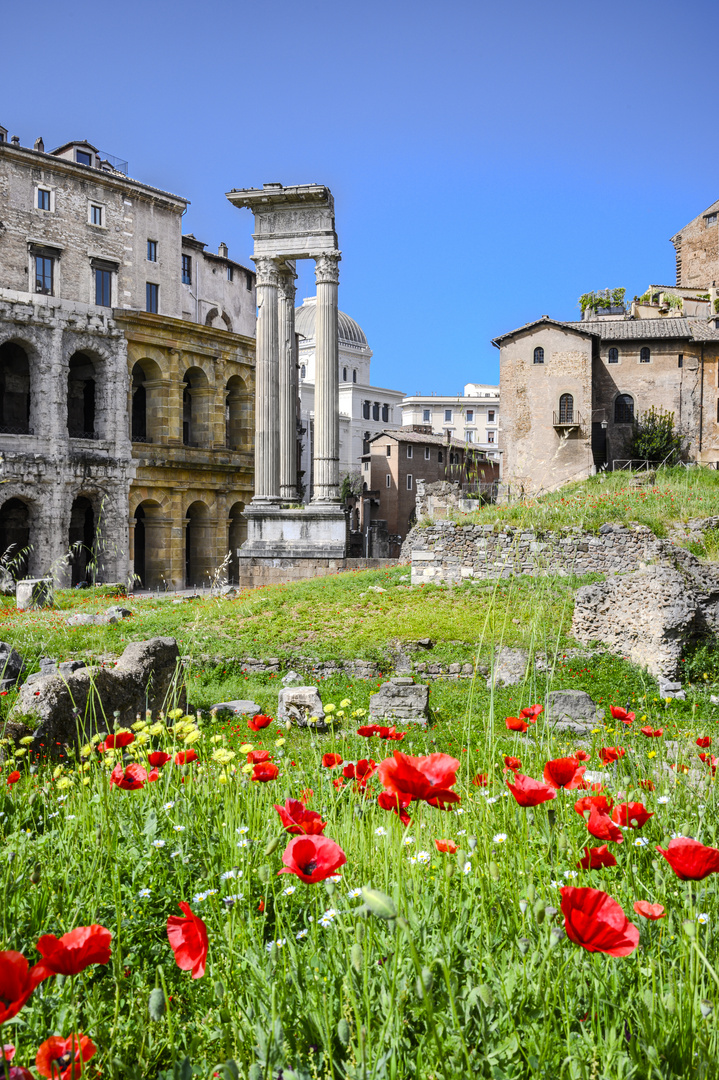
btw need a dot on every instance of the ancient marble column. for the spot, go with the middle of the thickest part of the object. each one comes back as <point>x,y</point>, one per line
<point>326,459</point>
<point>287,385</point>
<point>267,409</point>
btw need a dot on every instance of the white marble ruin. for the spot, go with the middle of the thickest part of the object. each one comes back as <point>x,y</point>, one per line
<point>293,223</point>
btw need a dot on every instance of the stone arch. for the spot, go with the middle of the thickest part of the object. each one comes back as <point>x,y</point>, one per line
<point>238,408</point>
<point>15,393</point>
<point>151,545</point>
<point>82,379</point>
<point>237,534</point>
<point>624,409</point>
<point>82,541</point>
<point>147,403</point>
<point>198,544</point>
<point>16,521</point>
<point>221,314</point>
<point>566,409</point>
<point>196,408</point>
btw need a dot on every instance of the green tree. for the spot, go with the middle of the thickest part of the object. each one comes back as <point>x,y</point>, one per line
<point>655,439</point>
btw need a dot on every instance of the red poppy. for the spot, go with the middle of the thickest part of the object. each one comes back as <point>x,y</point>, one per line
<point>63,1059</point>
<point>597,857</point>
<point>261,906</point>
<point>601,825</point>
<point>423,779</point>
<point>8,1051</point>
<point>158,758</point>
<point>608,754</point>
<point>116,742</point>
<point>622,714</point>
<point>17,1072</point>
<point>446,845</point>
<point>188,938</point>
<point>331,761</point>
<point>131,778</point>
<point>480,780</point>
<point>256,757</point>
<point>338,783</point>
<point>305,795</point>
<point>515,724</point>
<point>633,815</point>
<point>264,771</point>
<point>368,730</point>
<point>256,723</point>
<point>710,760</point>
<point>597,923</point>
<point>361,772</point>
<point>74,951</point>
<point>186,757</point>
<point>651,733</point>
<point>582,755</point>
<point>704,741</point>
<point>296,818</point>
<point>399,803</point>
<point>13,778</point>
<point>153,776</point>
<point>312,858</point>
<point>529,792</point>
<point>390,733</point>
<point>17,982</point>
<point>563,772</point>
<point>531,713</point>
<point>512,763</point>
<point>648,785</point>
<point>690,860</point>
<point>681,767</point>
<point>649,911</point>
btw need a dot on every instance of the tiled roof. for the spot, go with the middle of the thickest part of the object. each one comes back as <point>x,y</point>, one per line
<point>648,329</point>
<point>544,321</point>
<point>401,435</point>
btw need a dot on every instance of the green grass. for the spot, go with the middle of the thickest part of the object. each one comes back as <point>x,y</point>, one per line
<point>676,495</point>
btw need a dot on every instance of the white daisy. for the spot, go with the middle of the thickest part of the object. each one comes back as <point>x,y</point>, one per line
<point>467,868</point>
<point>228,874</point>
<point>243,829</point>
<point>335,877</point>
<point>461,832</point>
<point>570,873</point>
<point>493,799</point>
<point>499,838</point>
<point>408,840</point>
<point>380,832</point>
<point>703,918</point>
<point>289,890</point>
<point>144,893</point>
<point>168,806</point>
<point>302,933</point>
<point>641,841</point>
<point>424,857</point>
<point>158,843</point>
<point>354,893</point>
<point>663,800</point>
<point>243,843</point>
<point>174,854</point>
<point>179,828</point>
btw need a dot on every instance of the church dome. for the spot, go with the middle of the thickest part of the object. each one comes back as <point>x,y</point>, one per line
<point>350,333</point>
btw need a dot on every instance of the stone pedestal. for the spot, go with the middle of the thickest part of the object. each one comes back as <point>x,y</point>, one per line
<point>281,532</point>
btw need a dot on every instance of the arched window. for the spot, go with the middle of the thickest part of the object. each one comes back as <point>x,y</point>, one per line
<point>539,355</point>
<point>385,414</point>
<point>237,405</point>
<point>354,375</point>
<point>14,390</point>
<point>195,418</point>
<point>14,538</point>
<point>624,409</point>
<point>82,541</point>
<point>139,405</point>
<point>303,371</point>
<point>613,356</point>
<point>566,409</point>
<point>645,355</point>
<point>81,398</point>
<point>344,374</point>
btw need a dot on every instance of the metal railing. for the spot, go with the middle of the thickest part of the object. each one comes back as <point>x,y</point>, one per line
<point>141,438</point>
<point>83,435</point>
<point>568,419</point>
<point>15,429</point>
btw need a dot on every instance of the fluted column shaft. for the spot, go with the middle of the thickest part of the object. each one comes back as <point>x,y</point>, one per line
<point>287,386</point>
<point>267,409</point>
<point>326,459</point>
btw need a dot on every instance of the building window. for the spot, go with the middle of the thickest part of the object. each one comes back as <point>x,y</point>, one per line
<point>388,481</point>
<point>613,356</point>
<point>680,360</point>
<point>440,456</point>
<point>490,416</point>
<point>366,466</point>
<point>711,219</point>
<point>385,414</point>
<point>375,411</point>
<point>566,409</point>
<point>354,375</point>
<point>344,374</point>
<point>389,451</point>
<point>249,282</point>
<point>303,371</point>
<point>83,158</point>
<point>409,451</point>
<point>624,409</point>
<point>103,288</point>
<point>448,415</point>
<point>469,435</point>
<point>426,416</point>
<point>539,355</point>
<point>470,416</point>
<point>365,410</point>
<point>43,275</point>
<point>426,453</point>
<point>490,436</point>
<point>187,270</point>
<point>229,273</point>
<point>365,442</point>
<point>96,215</point>
<point>152,250</point>
<point>409,481</point>
<point>152,297</point>
<point>43,199</point>
<point>645,355</point>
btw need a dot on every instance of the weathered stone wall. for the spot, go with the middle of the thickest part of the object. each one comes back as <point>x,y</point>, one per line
<point>450,553</point>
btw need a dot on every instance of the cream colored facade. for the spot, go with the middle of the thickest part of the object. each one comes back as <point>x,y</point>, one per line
<point>471,417</point>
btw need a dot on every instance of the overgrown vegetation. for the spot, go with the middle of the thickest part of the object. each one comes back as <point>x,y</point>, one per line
<point>654,438</point>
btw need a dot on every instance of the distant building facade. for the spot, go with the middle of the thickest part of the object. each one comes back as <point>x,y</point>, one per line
<point>126,377</point>
<point>365,410</point>
<point>471,417</point>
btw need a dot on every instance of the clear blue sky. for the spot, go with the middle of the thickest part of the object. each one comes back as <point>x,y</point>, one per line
<point>489,161</point>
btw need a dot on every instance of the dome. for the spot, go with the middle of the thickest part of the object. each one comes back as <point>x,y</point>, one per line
<point>350,333</point>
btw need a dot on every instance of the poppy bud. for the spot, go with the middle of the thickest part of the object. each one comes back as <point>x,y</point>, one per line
<point>706,1007</point>
<point>689,928</point>
<point>156,1004</point>
<point>562,842</point>
<point>359,932</point>
<point>556,935</point>
<point>670,1004</point>
<point>531,893</point>
<point>551,816</point>
<point>486,995</point>
<point>523,944</point>
<point>36,874</point>
<point>523,905</point>
<point>357,957</point>
<point>264,874</point>
<point>343,1032</point>
<point>493,870</point>
<point>472,842</point>
<point>273,845</point>
<point>538,910</point>
<point>378,903</point>
<point>449,869</point>
<point>219,989</point>
<point>461,857</point>
<point>330,886</point>
<point>648,998</point>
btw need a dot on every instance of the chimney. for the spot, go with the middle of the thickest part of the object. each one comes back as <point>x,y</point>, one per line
<point>15,140</point>
<point>39,145</point>
<point>222,251</point>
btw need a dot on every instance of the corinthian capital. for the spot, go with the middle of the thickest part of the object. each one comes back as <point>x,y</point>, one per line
<point>287,284</point>
<point>326,268</point>
<point>268,271</point>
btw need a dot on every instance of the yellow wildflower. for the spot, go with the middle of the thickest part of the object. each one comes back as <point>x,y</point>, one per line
<point>248,768</point>
<point>246,748</point>
<point>26,740</point>
<point>192,737</point>
<point>223,756</point>
<point>63,783</point>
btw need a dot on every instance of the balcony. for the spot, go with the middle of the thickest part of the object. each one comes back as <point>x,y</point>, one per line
<point>567,418</point>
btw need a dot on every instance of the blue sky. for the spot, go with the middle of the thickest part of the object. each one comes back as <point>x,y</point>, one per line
<point>489,162</point>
